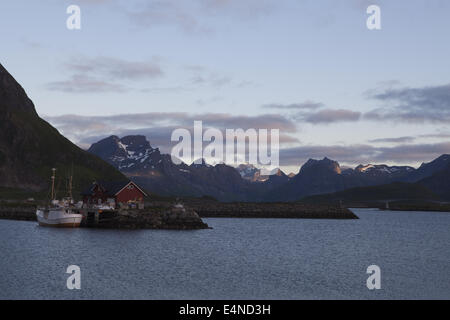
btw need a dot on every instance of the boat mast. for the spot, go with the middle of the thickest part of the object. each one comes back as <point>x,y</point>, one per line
<point>70,187</point>
<point>70,184</point>
<point>53,183</point>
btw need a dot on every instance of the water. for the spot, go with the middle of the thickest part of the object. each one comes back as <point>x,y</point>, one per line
<point>238,259</point>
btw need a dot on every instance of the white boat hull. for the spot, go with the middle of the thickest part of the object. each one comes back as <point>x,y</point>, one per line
<point>59,217</point>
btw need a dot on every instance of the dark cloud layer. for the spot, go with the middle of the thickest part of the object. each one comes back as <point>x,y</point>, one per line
<point>308,112</point>
<point>158,126</point>
<point>295,106</point>
<point>414,105</point>
<point>332,115</point>
<point>116,69</point>
<point>84,84</point>
<point>104,74</point>
<point>394,140</point>
<point>109,74</point>
<point>407,105</point>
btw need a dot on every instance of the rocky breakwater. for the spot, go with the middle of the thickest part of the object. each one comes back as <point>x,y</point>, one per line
<point>17,211</point>
<point>290,210</point>
<point>174,218</point>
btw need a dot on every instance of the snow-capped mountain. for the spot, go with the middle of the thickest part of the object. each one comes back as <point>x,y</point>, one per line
<point>251,173</point>
<point>380,169</point>
<point>248,171</point>
<point>128,154</point>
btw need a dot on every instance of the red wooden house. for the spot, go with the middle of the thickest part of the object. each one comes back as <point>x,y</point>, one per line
<point>114,193</point>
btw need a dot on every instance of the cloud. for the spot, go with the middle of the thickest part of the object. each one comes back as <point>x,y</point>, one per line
<point>439,135</point>
<point>331,116</point>
<point>109,74</point>
<point>116,69</point>
<point>202,76</point>
<point>172,13</point>
<point>104,74</point>
<point>194,16</point>
<point>416,152</point>
<point>394,140</point>
<point>411,105</point>
<point>84,130</point>
<point>307,112</point>
<point>31,44</point>
<point>174,89</point>
<point>84,84</point>
<point>295,106</point>
<point>213,79</point>
<point>414,105</point>
<point>249,9</point>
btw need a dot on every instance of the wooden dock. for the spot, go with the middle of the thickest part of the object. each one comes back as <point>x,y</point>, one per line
<point>94,218</point>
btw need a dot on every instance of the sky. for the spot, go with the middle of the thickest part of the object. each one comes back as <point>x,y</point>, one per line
<point>310,68</point>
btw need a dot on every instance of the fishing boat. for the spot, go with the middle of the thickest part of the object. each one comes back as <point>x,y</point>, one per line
<point>59,213</point>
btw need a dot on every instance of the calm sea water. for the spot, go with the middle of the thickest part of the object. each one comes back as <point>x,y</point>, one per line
<point>238,259</point>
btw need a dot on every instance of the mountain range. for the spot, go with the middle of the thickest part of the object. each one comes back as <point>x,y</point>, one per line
<point>136,158</point>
